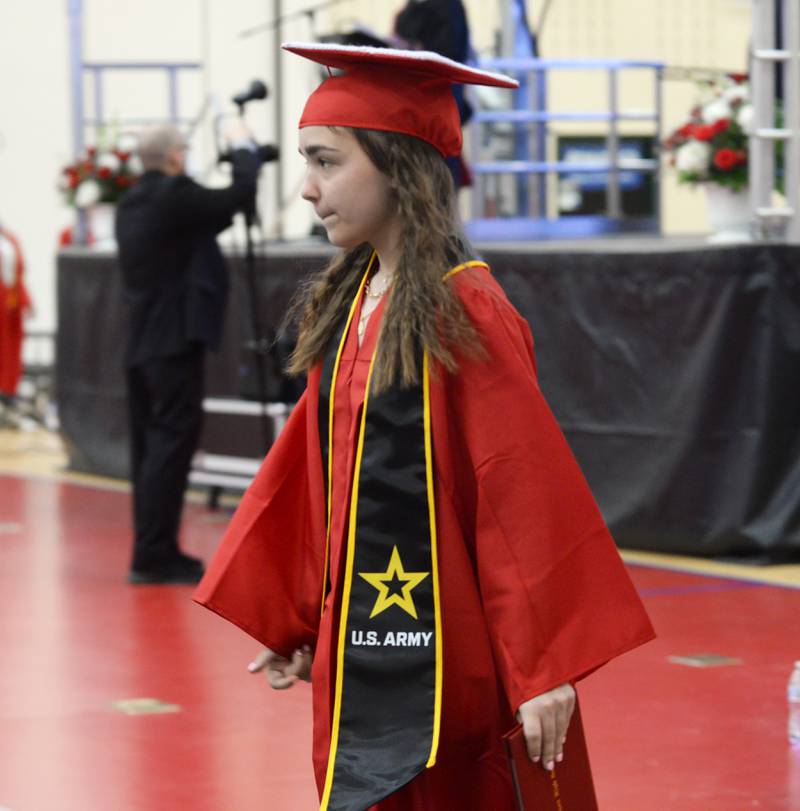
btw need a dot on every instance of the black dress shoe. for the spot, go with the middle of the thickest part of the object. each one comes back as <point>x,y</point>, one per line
<point>179,572</point>
<point>189,563</point>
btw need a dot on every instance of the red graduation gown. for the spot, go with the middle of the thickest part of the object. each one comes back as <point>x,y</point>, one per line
<point>14,302</point>
<point>533,591</point>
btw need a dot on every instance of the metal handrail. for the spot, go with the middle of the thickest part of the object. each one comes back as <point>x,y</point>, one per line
<point>100,69</point>
<point>765,135</point>
<point>565,167</point>
<point>525,115</point>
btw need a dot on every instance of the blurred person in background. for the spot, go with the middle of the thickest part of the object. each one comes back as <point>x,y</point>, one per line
<point>175,286</point>
<point>440,26</point>
<point>14,305</point>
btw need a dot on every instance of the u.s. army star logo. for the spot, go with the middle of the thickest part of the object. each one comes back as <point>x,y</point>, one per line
<point>394,586</point>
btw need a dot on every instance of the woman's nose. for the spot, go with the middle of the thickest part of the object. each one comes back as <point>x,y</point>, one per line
<point>309,191</point>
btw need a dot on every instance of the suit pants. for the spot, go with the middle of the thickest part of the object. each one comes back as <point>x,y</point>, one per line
<point>165,397</point>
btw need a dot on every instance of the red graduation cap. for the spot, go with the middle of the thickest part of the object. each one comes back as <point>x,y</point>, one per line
<point>391,90</point>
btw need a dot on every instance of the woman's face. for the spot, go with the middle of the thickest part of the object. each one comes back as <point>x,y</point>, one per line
<point>349,194</point>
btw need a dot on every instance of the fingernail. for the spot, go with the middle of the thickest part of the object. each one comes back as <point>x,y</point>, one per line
<point>536,759</point>
<point>550,766</point>
<point>252,666</point>
<point>559,758</point>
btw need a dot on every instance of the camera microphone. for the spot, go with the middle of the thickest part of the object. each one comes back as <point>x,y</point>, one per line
<point>256,91</point>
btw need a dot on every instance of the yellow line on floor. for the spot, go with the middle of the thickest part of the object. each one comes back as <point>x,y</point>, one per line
<point>40,454</point>
<point>777,575</point>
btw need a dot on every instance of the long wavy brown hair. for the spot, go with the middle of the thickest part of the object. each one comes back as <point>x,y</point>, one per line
<point>422,311</point>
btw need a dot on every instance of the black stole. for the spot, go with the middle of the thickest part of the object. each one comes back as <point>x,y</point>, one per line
<point>387,699</point>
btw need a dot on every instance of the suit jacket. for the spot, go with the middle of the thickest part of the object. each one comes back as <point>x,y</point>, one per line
<point>174,275</point>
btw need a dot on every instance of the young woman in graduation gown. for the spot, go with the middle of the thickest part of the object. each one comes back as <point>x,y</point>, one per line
<point>420,540</point>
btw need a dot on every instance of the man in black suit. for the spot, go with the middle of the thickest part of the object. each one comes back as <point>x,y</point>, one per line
<point>175,285</point>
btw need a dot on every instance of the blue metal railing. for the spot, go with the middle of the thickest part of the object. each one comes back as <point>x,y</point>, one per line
<point>98,71</point>
<point>531,116</point>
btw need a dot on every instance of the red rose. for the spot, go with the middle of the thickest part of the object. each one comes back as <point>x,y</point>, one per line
<point>720,125</point>
<point>739,78</point>
<point>91,151</point>
<point>687,130</point>
<point>73,181</point>
<point>741,156</point>
<point>705,132</point>
<point>725,159</point>
<point>123,156</point>
<point>104,173</point>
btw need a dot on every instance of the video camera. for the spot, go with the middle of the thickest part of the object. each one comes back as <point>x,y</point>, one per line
<point>257,91</point>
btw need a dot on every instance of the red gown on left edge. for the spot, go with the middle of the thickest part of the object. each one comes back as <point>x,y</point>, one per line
<point>533,591</point>
<point>14,302</point>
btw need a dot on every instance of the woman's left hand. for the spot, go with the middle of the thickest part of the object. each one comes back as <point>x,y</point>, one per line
<point>544,720</point>
<point>283,673</point>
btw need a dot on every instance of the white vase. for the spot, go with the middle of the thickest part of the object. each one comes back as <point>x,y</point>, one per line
<point>728,214</point>
<point>101,225</point>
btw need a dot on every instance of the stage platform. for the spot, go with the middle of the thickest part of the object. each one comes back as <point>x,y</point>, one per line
<point>672,365</point>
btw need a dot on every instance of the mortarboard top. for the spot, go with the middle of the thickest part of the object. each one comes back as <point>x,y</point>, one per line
<point>391,90</point>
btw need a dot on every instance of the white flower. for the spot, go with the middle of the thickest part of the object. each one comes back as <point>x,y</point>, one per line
<point>693,157</point>
<point>127,143</point>
<point>745,118</point>
<point>108,161</point>
<point>736,94</point>
<point>87,193</point>
<point>714,110</point>
<point>135,165</point>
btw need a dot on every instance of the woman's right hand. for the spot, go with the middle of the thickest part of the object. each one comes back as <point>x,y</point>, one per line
<point>283,673</point>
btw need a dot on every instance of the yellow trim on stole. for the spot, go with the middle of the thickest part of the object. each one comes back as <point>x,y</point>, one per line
<point>437,706</point>
<point>426,393</point>
<point>330,427</point>
<point>348,583</point>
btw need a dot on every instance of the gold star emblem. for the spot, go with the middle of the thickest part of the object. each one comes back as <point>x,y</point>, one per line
<point>394,586</point>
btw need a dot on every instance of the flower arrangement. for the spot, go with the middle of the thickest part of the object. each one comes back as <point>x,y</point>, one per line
<point>711,147</point>
<point>100,175</point>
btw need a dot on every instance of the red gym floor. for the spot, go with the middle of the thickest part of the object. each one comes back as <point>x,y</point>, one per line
<point>74,639</point>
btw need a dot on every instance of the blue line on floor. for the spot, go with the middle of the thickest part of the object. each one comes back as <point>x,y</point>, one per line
<point>728,585</point>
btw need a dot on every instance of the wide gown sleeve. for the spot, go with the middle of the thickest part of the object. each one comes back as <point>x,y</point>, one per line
<point>557,599</point>
<point>266,576</point>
